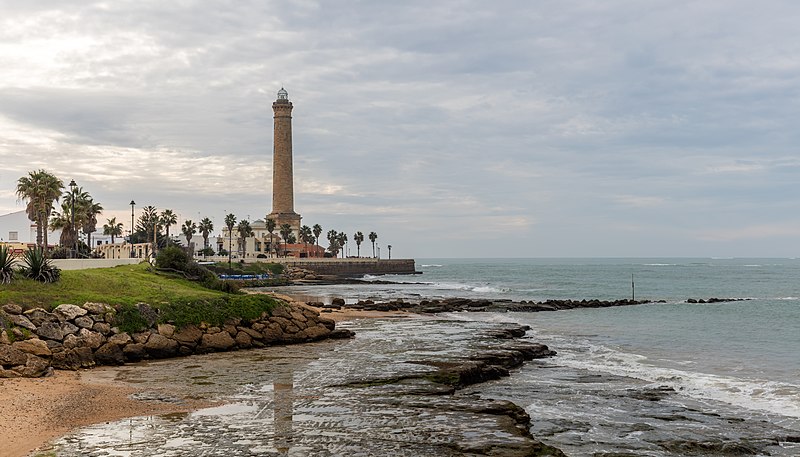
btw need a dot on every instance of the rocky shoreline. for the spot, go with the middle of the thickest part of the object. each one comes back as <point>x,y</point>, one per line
<point>33,342</point>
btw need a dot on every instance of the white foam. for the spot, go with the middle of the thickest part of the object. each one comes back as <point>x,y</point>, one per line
<point>432,265</point>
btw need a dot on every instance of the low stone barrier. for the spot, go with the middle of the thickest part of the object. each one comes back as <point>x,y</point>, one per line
<point>35,341</point>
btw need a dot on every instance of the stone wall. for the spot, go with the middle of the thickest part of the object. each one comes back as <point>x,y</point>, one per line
<point>35,341</point>
<point>352,267</point>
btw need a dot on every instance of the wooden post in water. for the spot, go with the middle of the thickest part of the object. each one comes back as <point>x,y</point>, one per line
<point>633,289</point>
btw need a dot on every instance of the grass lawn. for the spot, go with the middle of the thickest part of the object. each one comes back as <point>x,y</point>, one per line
<point>122,285</point>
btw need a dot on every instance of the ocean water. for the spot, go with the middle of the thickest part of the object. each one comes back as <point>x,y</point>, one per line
<point>738,358</point>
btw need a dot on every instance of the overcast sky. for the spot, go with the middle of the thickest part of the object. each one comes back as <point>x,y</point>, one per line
<point>450,128</point>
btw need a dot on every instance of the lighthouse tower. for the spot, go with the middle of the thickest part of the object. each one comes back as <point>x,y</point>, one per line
<point>282,174</point>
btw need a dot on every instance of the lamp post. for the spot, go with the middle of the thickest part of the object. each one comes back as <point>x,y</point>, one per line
<point>72,186</point>
<point>133,203</point>
<point>390,251</point>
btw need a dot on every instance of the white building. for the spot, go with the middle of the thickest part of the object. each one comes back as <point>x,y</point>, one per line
<point>17,228</point>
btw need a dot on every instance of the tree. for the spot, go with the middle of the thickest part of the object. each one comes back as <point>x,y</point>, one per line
<point>189,228</point>
<point>168,218</point>
<point>342,238</point>
<point>74,201</point>
<point>230,222</point>
<point>285,231</point>
<point>317,233</point>
<point>372,237</point>
<point>90,211</point>
<point>358,238</point>
<point>270,229</point>
<point>148,225</point>
<point>333,242</point>
<point>245,230</point>
<point>41,189</point>
<point>305,237</point>
<point>113,228</point>
<point>206,227</point>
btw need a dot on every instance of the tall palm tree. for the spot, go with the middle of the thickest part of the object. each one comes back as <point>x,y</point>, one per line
<point>333,242</point>
<point>189,228</point>
<point>358,238</point>
<point>205,227</point>
<point>230,222</point>
<point>168,218</point>
<point>305,237</point>
<point>74,201</point>
<point>317,232</point>
<point>343,242</point>
<point>270,229</point>
<point>91,210</point>
<point>245,231</point>
<point>372,237</point>
<point>285,231</point>
<point>41,189</point>
<point>113,228</point>
<point>148,225</point>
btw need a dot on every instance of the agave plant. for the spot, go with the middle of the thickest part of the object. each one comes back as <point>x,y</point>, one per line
<point>37,266</point>
<point>6,265</point>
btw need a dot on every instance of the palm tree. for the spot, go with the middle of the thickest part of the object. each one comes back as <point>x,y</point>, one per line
<point>91,210</point>
<point>73,203</point>
<point>113,228</point>
<point>285,231</point>
<point>189,228</point>
<point>358,238</point>
<point>343,242</point>
<point>206,227</point>
<point>41,189</point>
<point>372,237</point>
<point>317,233</point>
<point>305,237</point>
<point>270,229</point>
<point>230,222</point>
<point>168,218</point>
<point>245,230</point>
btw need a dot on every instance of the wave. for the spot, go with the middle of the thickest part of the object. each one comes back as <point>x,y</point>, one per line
<point>754,394</point>
<point>481,289</point>
<point>432,265</point>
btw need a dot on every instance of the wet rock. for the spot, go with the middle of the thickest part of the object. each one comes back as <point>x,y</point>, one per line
<point>711,448</point>
<point>341,333</point>
<point>109,354</point>
<point>69,312</point>
<point>134,352</point>
<point>189,335</point>
<point>337,301</point>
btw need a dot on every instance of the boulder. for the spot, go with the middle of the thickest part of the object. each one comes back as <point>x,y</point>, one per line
<point>282,311</point>
<point>11,356</point>
<point>33,346</point>
<point>167,330</point>
<point>217,341</point>
<point>253,334</point>
<point>329,323</point>
<point>109,354</point>
<point>231,329</point>
<point>68,328</point>
<point>149,313</point>
<point>120,339</point>
<point>11,308</point>
<point>66,360</point>
<point>69,312</point>
<point>316,332</point>
<point>102,328</point>
<point>97,308</point>
<point>84,322</point>
<point>243,340</point>
<point>91,339</point>
<point>50,330</point>
<point>189,335</point>
<point>273,332</point>
<point>4,339</point>
<point>20,321</point>
<point>159,346</point>
<point>141,337</point>
<point>34,367</point>
<point>38,316</point>
<point>134,352</point>
<point>85,356</point>
<point>72,341</point>
<point>337,301</point>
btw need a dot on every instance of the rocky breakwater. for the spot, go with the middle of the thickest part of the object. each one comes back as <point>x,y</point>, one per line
<point>33,342</point>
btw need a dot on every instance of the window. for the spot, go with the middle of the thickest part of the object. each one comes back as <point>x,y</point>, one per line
<point>13,236</point>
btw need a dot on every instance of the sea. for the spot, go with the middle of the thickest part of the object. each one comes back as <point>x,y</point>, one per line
<point>668,378</point>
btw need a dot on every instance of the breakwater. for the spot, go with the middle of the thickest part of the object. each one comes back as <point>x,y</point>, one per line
<point>35,341</point>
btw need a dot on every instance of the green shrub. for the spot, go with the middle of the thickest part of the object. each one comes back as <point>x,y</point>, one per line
<point>6,265</point>
<point>38,267</point>
<point>59,253</point>
<point>173,257</point>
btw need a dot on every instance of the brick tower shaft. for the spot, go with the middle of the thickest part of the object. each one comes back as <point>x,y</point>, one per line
<point>282,169</point>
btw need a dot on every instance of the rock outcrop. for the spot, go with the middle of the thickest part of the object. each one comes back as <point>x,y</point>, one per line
<point>35,341</point>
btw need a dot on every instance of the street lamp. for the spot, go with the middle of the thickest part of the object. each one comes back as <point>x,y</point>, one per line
<point>133,203</point>
<point>390,251</point>
<point>72,187</point>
